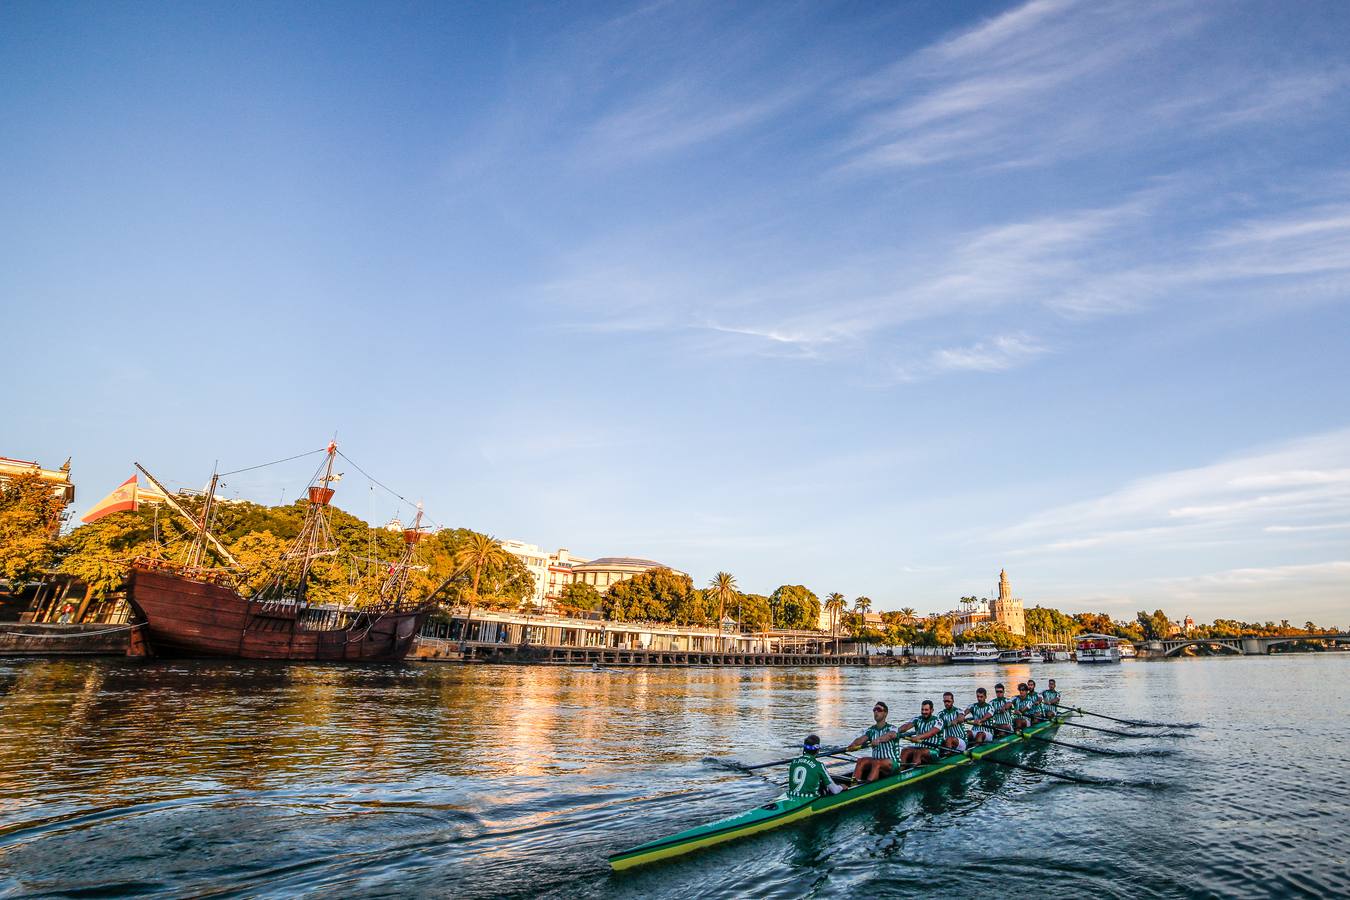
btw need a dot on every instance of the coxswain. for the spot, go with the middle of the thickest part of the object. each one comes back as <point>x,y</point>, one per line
<point>980,715</point>
<point>1003,711</point>
<point>951,717</point>
<point>807,776</point>
<point>1023,707</point>
<point>926,739</point>
<point>881,737</point>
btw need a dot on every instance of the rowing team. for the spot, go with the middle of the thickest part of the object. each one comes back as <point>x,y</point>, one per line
<point>928,734</point>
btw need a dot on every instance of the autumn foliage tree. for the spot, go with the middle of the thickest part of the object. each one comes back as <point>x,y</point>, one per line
<point>30,518</point>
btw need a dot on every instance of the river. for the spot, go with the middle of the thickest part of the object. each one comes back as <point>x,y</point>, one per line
<point>205,778</point>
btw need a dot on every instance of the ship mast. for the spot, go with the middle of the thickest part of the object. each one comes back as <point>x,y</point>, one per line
<point>197,552</point>
<point>397,580</point>
<point>314,540</point>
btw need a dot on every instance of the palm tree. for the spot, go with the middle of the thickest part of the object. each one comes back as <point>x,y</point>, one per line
<point>909,614</point>
<point>479,553</point>
<point>861,605</point>
<point>723,588</point>
<point>834,605</point>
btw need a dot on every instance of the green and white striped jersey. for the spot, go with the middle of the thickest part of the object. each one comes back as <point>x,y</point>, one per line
<point>979,711</point>
<point>806,777</point>
<point>1003,712</point>
<point>950,727</point>
<point>1050,698</point>
<point>922,724</point>
<point>889,750</point>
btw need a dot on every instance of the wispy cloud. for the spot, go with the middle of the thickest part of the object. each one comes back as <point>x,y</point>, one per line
<point>1300,484</point>
<point>1053,79</point>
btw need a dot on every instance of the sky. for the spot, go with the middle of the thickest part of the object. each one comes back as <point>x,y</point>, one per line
<point>875,298</point>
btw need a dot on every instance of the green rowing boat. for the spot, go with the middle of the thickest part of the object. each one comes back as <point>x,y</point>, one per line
<point>785,810</point>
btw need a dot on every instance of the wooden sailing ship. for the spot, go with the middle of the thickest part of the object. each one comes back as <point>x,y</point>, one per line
<point>190,610</point>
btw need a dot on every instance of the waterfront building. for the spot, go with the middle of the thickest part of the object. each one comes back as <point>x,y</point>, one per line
<point>551,630</point>
<point>1007,609</point>
<point>536,561</point>
<point>560,567</point>
<point>59,479</point>
<point>610,570</point>
<point>971,614</point>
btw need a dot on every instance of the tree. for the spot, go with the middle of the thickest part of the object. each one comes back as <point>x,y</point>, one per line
<point>258,553</point>
<point>722,590</point>
<point>30,518</point>
<point>794,606</point>
<point>1156,626</point>
<point>834,605</point>
<point>755,612</point>
<point>100,553</point>
<point>656,595</point>
<point>862,606</point>
<point>909,614</point>
<point>579,597</point>
<point>477,556</point>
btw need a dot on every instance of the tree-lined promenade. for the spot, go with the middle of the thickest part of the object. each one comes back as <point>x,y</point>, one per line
<point>482,574</point>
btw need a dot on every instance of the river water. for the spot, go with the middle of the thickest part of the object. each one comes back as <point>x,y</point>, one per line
<point>239,779</point>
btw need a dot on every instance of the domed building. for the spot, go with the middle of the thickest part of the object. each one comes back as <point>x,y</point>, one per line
<point>609,570</point>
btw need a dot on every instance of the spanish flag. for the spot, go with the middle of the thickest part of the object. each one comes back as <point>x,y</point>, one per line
<point>120,500</point>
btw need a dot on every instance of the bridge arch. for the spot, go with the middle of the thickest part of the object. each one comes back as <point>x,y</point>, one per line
<point>1233,644</point>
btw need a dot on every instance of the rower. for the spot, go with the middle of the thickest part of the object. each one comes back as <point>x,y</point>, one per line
<point>1002,706</point>
<point>881,737</point>
<point>806,776</point>
<point>926,738</point>
<point>980,714</point>
<point>1050,697</point>
<point>953,734</point>
<point>1034,695</point>
<point>1022,708</point>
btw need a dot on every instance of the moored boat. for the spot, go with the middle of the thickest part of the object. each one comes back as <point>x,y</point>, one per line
<point>786,810</point>
<point>1127,650</point>
<point>975,653</point>
<point>1097,649</point>
<point>1019,655</point>
<point>191,610</point>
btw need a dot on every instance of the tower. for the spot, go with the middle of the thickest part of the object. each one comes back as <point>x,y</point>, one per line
<point>1007,609</point>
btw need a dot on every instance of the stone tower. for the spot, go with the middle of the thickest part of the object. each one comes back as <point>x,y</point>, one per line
<point>1007,609</point>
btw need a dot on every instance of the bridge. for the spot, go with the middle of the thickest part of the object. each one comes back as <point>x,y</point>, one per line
<point>1245,644</point>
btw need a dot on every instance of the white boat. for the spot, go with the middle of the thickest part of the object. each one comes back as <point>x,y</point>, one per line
<point>1098,649</point>
<point>1053,653</point>
<point>976,653</point>
<point>1127,650</point>
<point>1023,655</point>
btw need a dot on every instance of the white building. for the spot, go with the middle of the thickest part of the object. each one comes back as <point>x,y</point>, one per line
<point>536,561</point>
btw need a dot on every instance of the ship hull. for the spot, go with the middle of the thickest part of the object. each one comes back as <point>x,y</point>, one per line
<point>190,617</point>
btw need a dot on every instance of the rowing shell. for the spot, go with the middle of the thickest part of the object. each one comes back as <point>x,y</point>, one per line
<point>785,810</point>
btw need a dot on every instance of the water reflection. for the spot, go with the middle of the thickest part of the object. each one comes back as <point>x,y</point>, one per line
<point>181,777</point>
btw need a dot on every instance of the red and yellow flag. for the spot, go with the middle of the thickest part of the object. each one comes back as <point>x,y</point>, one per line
<point>124,498</point>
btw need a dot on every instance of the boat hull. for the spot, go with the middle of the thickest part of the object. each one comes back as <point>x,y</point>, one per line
<point>785,811</point>
<point>184,616</point>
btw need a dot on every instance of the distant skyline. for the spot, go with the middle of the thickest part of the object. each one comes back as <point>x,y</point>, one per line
<point>872,299</point>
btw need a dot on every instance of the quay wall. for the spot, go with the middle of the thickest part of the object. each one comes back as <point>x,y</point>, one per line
<point>94,639</point>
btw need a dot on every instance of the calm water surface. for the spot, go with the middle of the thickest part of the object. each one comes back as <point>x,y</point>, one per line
<point>222,779</point>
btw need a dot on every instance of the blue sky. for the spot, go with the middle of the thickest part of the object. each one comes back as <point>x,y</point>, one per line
<point>875,298</point>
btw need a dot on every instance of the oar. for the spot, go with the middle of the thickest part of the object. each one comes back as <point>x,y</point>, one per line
<point>780,762</point>
<point>1083,747</point>
<point>1128,734</point>
<point>1134,722</point>
<point>1012,765</point>
<point>1038,770</point>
